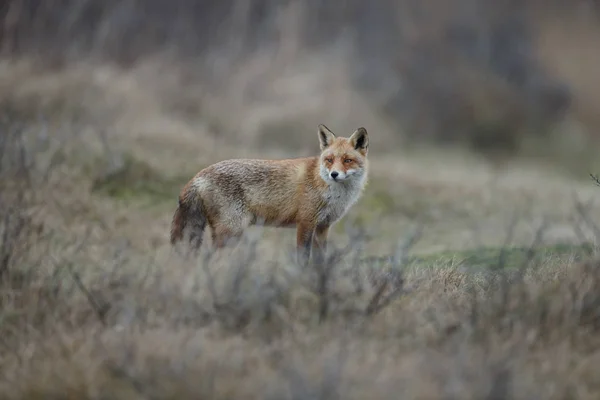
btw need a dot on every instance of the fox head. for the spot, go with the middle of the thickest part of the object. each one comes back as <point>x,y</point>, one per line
<point>343,159</point>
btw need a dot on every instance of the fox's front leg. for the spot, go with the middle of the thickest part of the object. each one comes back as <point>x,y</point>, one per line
<point>304,236</point>
<point>319,244</point>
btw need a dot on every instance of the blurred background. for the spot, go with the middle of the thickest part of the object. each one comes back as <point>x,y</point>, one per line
<point>491,75</point>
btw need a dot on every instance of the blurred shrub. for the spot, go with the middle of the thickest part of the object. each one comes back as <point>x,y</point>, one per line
<point>449,70</point>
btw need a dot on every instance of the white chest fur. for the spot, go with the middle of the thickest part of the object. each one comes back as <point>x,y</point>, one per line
<point>337,201</point>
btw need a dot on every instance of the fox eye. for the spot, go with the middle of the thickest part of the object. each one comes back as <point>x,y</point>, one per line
<point>347,160</point>
<point>329,160</point>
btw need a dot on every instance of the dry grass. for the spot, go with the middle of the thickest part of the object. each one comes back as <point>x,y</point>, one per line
<point>449,279</point>
<point>85,317</point>
<point>94,303</point>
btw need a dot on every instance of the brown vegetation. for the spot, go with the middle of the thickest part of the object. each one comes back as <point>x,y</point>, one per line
<point>108,108</point>
<point>86,316</point>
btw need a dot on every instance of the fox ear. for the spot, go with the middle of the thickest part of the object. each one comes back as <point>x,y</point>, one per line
<point>360,140</point>
<point>326,137</point>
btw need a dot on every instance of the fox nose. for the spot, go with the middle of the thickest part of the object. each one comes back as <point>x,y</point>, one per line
<point>334,174</point>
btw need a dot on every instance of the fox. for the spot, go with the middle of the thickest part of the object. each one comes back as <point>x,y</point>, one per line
<point>309,193</point>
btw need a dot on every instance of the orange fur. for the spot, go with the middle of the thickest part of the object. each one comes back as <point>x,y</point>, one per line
<point>309,193</point>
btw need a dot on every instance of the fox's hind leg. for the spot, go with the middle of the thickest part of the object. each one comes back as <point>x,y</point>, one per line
<point>228,232</point>
<point>230,225</point>
<point>222,236</point>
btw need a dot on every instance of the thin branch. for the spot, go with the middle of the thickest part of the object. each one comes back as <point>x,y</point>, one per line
<point>507,241</point>
<point>373,304</point>
<point>539,236</point>
<point>595,179</point>
<point>583,212</point>
<point>400,254</point>
<point>100,309</point>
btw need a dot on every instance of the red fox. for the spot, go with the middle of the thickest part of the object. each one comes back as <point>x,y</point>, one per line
<point>309,193</point>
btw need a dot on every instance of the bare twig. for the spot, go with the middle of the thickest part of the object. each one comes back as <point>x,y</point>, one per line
<point>577,229</point>
<point>507,241</point>
<point>374,303</point>
<point>395,276</point>
<point>400,254</point>
<point>379,301</point>
<point>595,179</point>
<point>582,209</point>
<point>101,308</point>
<point>539,236</point>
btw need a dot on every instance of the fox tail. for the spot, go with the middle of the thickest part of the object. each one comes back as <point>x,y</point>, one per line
<point>190,212</point>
